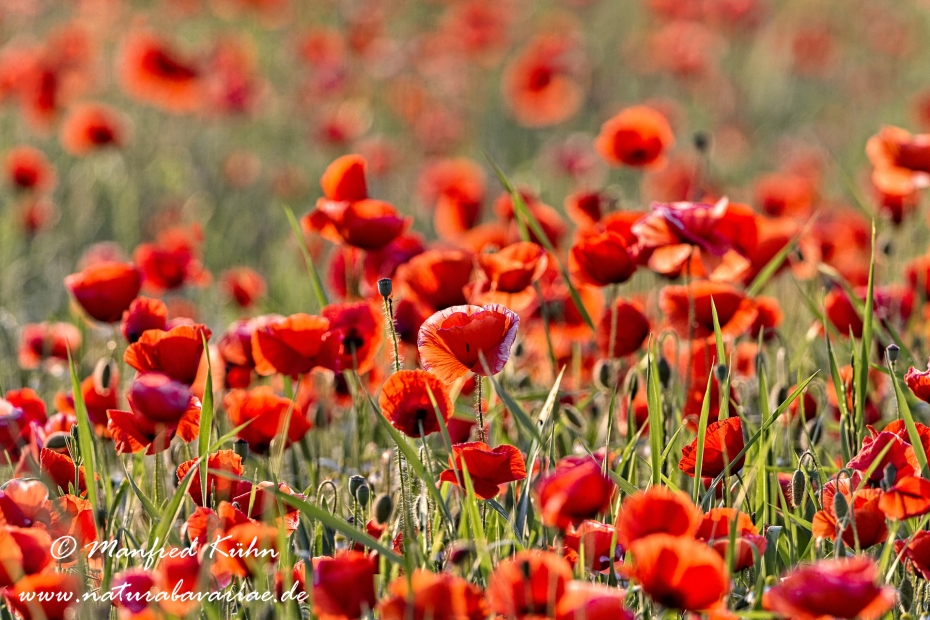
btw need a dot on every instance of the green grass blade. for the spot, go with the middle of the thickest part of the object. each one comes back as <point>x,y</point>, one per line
<point>170,513</point>
<point>656,419</point>
<point>85,435</point>
<point>318,290</point>
<point>701,433</point>
<point>206,421</point>
<point>862,368</point>
<point>912,433</point>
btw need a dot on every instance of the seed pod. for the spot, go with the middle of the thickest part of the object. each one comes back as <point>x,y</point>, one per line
<point>840,507</point>
<point>893,352</point>
<point>241,447</point>
<point>363,495</point>
<point>384,506</point>
<point>573,417</point>
<point>890,475</point>
<point>720,372</point>
<point>665,372</point>
<point>355,482</point>
<point>798,488</point>
<point>385,287</point>
<point>701,141</point>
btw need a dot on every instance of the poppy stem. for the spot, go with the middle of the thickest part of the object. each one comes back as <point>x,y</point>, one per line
<point>480,414</point>
<point>160,491</point>
<point>389,315</point>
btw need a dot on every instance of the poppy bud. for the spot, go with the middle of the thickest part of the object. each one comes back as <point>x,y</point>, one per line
<point>905,596</point>
<point>385,287</point>
<point>104,373</point>
<point>760,362</point>
<point>363,495</point>
<point>384,506</point>
<point>798,488</point>
<point>665,372</point>
<point>634,385</point>
<point>782,394</point>
<point>887,247</point>
<point>461,552</point>
<point>356,482</point>
<point>57,441</point>
<point>840,507</point>
<point>893,351</point>
<point>602,374</point>
<point>573,417</point>
<point>720,372</point>
<point>241,448</point>
<point>701,141</point>
<point>891,474</point>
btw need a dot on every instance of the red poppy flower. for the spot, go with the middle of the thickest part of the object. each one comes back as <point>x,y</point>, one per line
<point>589,601</point>
<point>263,504</point>
<point>632,329</point>
<point>638,136</point>
<point>28,168</point>
<point>870,526</point>
<point>90,127</point>
<point>595,539</point>
<point>405,402</point>
<point>266,413</point>
<point>60,471</point>
<point>357,330</point>
<point>841,588</point>
<point>48,595</point>
<point>153,72</point>
<point>367,224</point>
<point>919,383</point>
<point>901,160</point>
<point>541,84</point>
<point>219,488</point>
<point>586,208</point>
<point>261,538</point>
<point>22,552</point>
<point>243,285</point>
<point>892,449</point>
<point>915,552</point>
<point>573,494</point>
<point>436,278</point>
<point>736,313</point>
<point>463,339</point>
<point>344,585</point>
<point>488,468</point>
<point>235,349</point>
<point>900,429</point>
<point>769,316</point>
<point>506,277</point>
<point>105,290</point>
<point>785,194</point>
<point>552,224</point>
<point>160,409</point>
<point>602,259</point>
<point>47,342</point>
<point>294,345</point>
<point>715,530</point>
<point>172,261</point>
<point>428,596</point>
<point>143,314</point>
<point>175,352</point>
<point>909,497</point>
<point>722,444</point>
<point>455,189</point>
<point>529,584</point>
<point>24,503</point>
<point>679,573</point>
<point>72,516</point>
<point>657,510</point>
<point>18,412</point>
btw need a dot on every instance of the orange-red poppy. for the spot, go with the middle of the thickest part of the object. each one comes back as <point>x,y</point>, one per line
<point>915,552</point>
<point>24,503</point>
<point>356,332</point>
<point>23,551</point>
<point>528,584</point>
<point>428,596</point>
<point>143,314</point>
<point>722,445</point>
<point>638,136</point>
<point>73,516</point>
<point>28,168</point>
<point>344,585</point>
<point>840,588</point>
<point>49,595</point>
<point>679,573</point>
<point>89,127</point>
<point>590,601</point>
<point>172,261</point>
<point>594,539</point>
<point>901,160</point>
<point>541,84</point>
<point>628,325</point>
<point>572,494</point>
<point>867,526</point>
<point>219,488</point>
<point>294,345</point>
<point>463,339</point>
<point>506,277</point>
<point>405,402</point>
<point>586,208</point>
<point>160,408</point>
<point>436,278</point>
<point>909,497</point>
<point>785,194</point>
<point>175,352</point>
<point>602,259</point>
<point>736,313</point>
<point>657,510</point>
<point>455,189</point>
<point>59,470</point>
<point>105,290</point>
<point>261,538</point>
<point>266,413</point>
<point>18,411</point>
<point>344,180</point>
<point>153,72</point>
<point>893,450</point>
<point>488,468</point>
<point>715,530</point>
<point>367,224</point>
<point>47,343</point>
<point>243,285</point>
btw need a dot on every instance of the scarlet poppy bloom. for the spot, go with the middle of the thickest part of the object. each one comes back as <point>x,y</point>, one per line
<point>344,585</point>
<point>722,444</point>
<point>892,449</point>
<point>632,329</point>
<point>656,510</point>
<point>463,339</point>
<point>585,208</point>
<point>219,488</point>
<point>595,539</point>
<point>454,189</point>
<point>679,573</point>
<point>573,494</point>
<point>841,588</point>
<point>900,429</point>
<point>24,503</point>
<point>842,313</point>
<point>901,160</point>
<point>909,497</point>
<point>294,345</point>
<point>175,352</point>
<point>49,595</point>
<point>48,343</point>
<point>529,584</point>
<point>160,409</point>
<point>715,530</point>
<point>235,349</point>
<point>367,224</point>
<point>22,552</point>
<point>243,285</point>
<point>28,168</point>
<point>105,290</point>
<point>541,84</point>
<point>919,383</point>
<point>736,313</point>
<point>153,72</point>
<point>405,402</point>
<point>602,259</point>
<point>506,277</point>
<point>436,278</point>
<point>90,127</point>
<point>589,601</point>
<point>488,468</point>
<point>638,136</point>
<point>267,413</point>
<point>60,471</point>
<point>785,194</point>
<point>428,596</point>
<point>357,330</point>
<point>172,261</point>
<point>18,411</point>
<point>915,552</point>
<point>344,179</point>
<point>143,314</point>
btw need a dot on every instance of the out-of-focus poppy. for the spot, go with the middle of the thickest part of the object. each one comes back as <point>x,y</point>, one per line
<point>840,588</point>
<point>785,194</point>
<point>219,488</point>
<point>628,326</point>
<point>715,529</point>
<point>463,339</point>
<point>594,539</point>
<point>367,224</point>
<point>27,168</point>
<point>488,468</point>
<point>722,445</point>
<point>436,278</point>
<point>428,596</point>
<point>344,179</point>
<point>262,503</point>
<point>105,290</point>
<point>528,584</point>
<point>915,552</point>
<point>589,601</point>
<point>61,472</point>
<point>23,551</point>
<point>170,263</point>
<point>153,72</point>
<point>506,277</point>
<point>678,573</point>
<point>657,510</point>
<point>769,316</point>
<point>602,259</point>
<point>49,595</point>
<point>18,411</point>
<point>132,591</point>
<point>266,413</point>
<point>47,342</point>
<point>243,285</point>
<point>842,313</point>
<point>455,189</point>
<point>73,516</point>
<point>175,352</point>
<point>901,160</point>
<point>639,136</point>
<point>143,314</point>
<point>24,503</point>
<point>573,494</point>
<point>293,346</point>
<point>551,224</point>
<point>89,127</point>
<point>160,409</point>
<point>909,497</point>
<point>736,312</point>
<point>878,388</point>
<point>405,402</point>
<point>357,329</point>
<point>344,585</point>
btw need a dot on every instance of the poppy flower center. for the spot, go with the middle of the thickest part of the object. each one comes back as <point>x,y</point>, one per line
<point>25,177</point>
<point>540,78</point>
<point>352,342</point>
<point>157,61</point>
<point>100,134</point>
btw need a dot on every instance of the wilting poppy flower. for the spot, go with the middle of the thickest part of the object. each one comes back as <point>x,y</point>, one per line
<point>243,285</point>
<point>143,314</point>
<point>528,584</point>
<point>463,339</point>
<point>715,530</point>
<point>344,585</point>
<point>638,136</point>
<point>405,402</point>
<point>219,488</point>
<point>28,168</point>
<point>601,259</point>
<point>357,330</point>
<point>160,409</point>
<point>175,352</point>
<point>736,313</point>
<point>455,189</point>
<point>594,538</point>
<point>589,601</point>
<point>47,342</point>
<point>841,588</point>
<point>428,596</point>
<point>49,595</point>
<point>92,126</point>
<point>909,497</point>
<point>678,573</point>
<point>722,444</point>
<point>629,327</point>
<point>294,345</point>
<point>488,468</point>
<point>506,277</point>
<point>657,510</point>
<point>153,72</point>
<point>541,84</point>
<point>573,494</point>
<point>105,290</point>
<point>266,413</point>
<point>436,278</point>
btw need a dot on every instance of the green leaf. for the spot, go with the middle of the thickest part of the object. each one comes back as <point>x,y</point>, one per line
<point>85,435</point>
<point>206,420</point>
<point>321,299</point>
<point>701,433</point>
<point>656,422</point>
<point>862,368</point>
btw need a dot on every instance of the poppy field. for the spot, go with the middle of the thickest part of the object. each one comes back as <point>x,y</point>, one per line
<point>461,309</point>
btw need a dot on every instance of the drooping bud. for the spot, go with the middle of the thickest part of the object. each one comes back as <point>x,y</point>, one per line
<point>363,495</point>
<point>573,417</point>
<point>798,488</point>
<point>890,475</point>
<point>665,372</point>
<point>720,372</point>
<point>241,448</point>
<point>460,553</point>
<point>840,507</point>
<point>384,506</point>
<point>104,373</point>
<point>385,287</point>
<point>893,352</point>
